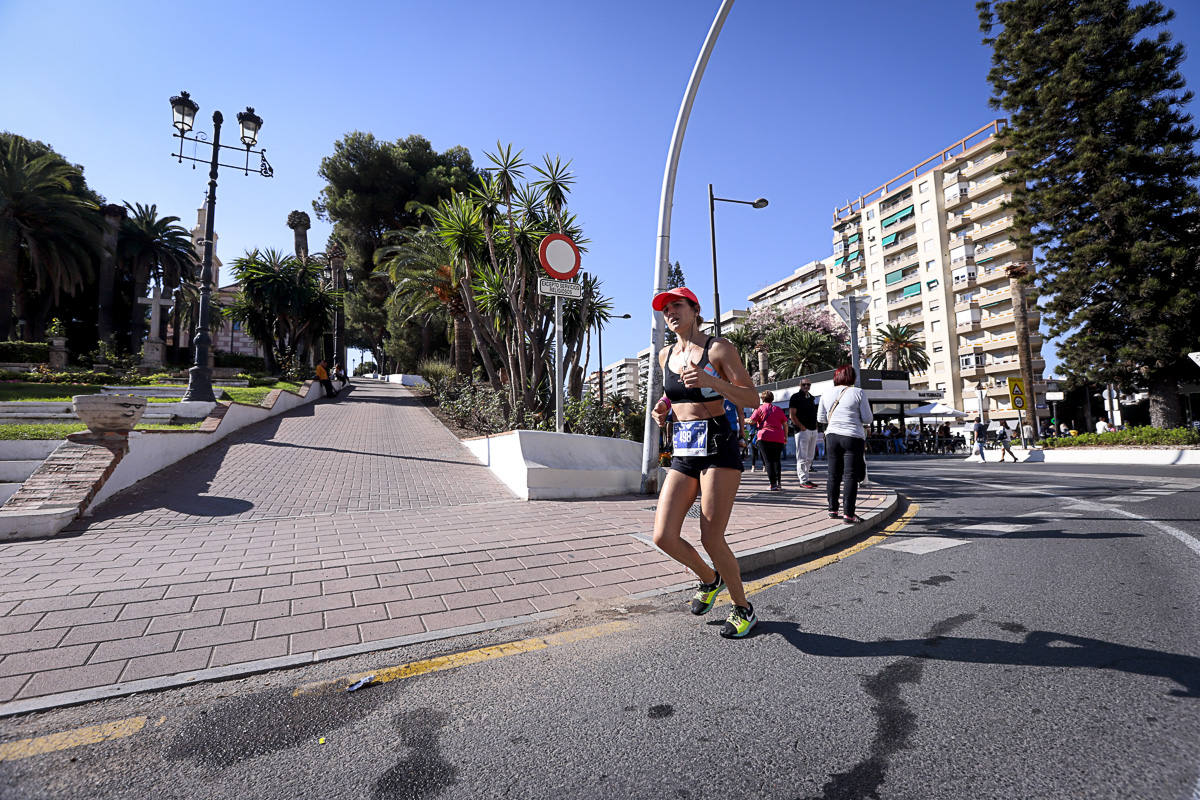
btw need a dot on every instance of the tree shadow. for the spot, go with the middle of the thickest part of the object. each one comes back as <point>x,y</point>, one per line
<point>1038,649</point>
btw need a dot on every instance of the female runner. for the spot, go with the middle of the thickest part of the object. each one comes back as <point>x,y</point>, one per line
<point>699,373</point>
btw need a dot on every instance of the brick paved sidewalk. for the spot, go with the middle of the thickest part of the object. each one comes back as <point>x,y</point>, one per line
<point>336,528</point>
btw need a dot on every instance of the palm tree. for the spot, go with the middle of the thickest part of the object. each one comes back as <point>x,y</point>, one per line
<point>796,352</point>
<point>150,246</point>
<point>49,234</point>
<point>282,302</point>
<point>897,348</point>
<point>422,270</point>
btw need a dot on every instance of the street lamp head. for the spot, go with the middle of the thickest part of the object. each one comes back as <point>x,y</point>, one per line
<point>249,123</point>
<point>183,111</point>
<point>760,203</point>
<point>625,316</point>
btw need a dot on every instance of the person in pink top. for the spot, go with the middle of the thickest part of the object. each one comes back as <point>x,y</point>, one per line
<point>772,434</point>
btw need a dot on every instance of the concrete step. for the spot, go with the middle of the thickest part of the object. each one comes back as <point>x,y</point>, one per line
<point>27,449</point>
<point>17,471</point>
<point>166,414</point>
<point>30,407</point>
<point>7,490</point>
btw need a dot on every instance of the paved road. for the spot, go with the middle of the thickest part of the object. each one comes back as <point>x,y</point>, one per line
<point>330,530</point>
<point>1030,633</point>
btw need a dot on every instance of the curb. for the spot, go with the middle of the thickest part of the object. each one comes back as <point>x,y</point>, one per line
<point>752,560</point>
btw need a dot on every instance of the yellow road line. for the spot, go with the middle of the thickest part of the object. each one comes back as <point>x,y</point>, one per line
<point>65,740</point>
<point>754,587</point>
<point>456,660</point>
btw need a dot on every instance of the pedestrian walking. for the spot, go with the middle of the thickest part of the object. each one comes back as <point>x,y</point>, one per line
<point>699,374</point>
<point>802,408</point>
<point>979,431</point>
<point>323,377</point>
<point>1004,436</point>
<point>772,436</point>
<point>845,413</point>
<point>755,453</point>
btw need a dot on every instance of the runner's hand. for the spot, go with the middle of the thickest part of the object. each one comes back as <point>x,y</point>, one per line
<point>693,377</point>
<point>660,412</point>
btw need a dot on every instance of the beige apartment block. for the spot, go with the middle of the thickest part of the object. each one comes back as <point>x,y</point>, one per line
<point>931,249</point>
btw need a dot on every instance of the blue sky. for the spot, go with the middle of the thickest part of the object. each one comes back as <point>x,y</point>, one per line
<point>804,103</point>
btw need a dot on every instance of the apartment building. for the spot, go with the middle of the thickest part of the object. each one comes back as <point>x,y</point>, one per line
<point>930,249</point>
<point>807,286</point>
<point>620,377</point>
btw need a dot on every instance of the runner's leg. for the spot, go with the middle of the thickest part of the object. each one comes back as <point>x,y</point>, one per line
<point>716,503</point>
<point>676,497</point>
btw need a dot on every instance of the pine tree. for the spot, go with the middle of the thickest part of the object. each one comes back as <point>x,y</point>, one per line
<point>675,277</point>
<point>1104,163</point>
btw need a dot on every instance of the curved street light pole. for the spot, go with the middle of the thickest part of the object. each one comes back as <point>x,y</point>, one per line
<point>712,230</point>
<point>662,256</point>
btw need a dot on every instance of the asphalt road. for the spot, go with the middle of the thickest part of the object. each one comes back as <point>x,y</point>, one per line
<point>1030,633</point>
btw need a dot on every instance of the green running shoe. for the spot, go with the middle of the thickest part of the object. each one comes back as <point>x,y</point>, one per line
<point>706,595</point>
<point>739,622</point>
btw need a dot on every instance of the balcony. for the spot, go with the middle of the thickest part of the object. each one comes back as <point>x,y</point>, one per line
<point>962,261</point>
<point>986,185</point>
<point>992,228</point>
<point>990,207</point>
<point>908,258</point>
<point>998,342</point>
<point>956,198</point>
<point>966,327</point>
<point>997,249</point>
<point>964,305</point>
<point>977,166</point>
<point>996,320</point>
<point>853,282</point>
<point>958,220</point>
<point>845,230</point>
<point>987,298</point>
<point>904,302</point>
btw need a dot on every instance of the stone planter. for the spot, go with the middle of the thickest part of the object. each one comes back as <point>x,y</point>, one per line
<point>109,413</point>
<point>58,353</point>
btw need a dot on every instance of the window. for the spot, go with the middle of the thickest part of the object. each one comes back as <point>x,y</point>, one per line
<point>875,285</point>
<point>933,284</point>
<point>924,206</point>
<point>923,187</point>
<point>941,387</point>
<point>929,265</point>
<point>911,290</point>
<point>927,225</point>
<point>871,232</point>
<point>877,302</point>
<point>934,325</point>
<point>895,277</point>
<point>873,249</point>
<point>934,306</point>
<point>871,214</point>
<point>937,348</point>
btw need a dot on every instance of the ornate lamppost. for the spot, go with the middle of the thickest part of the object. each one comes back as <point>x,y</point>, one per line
<point>339,280</point>
<point>183,110</point>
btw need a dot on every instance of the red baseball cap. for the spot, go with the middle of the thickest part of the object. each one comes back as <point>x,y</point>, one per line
<point>662,298</point>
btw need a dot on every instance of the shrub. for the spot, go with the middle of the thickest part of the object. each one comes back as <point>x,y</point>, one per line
<point>24,352</point>
<point>432,369</point>
<point>43,375</point>
<point>239,360</point>
<point>1142,436</point>
<point>56,328</point>
<point>474,406</point>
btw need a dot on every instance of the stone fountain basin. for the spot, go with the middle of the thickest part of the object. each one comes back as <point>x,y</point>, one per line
<point>109,413</point>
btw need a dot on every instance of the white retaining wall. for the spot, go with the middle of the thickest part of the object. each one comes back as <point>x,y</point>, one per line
<point>405,380</point>
<point>151,451</point>
<point>541,465</point>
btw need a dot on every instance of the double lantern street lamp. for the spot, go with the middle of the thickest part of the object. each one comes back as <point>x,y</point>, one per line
<point>712,229</point>
<point>183,110</point>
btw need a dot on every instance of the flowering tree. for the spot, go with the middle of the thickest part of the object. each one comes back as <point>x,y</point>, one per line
<point>764,322</point>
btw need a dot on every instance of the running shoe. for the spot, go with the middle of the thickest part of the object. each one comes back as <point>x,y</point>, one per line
<point>808,485</point>
<point>739,622</point>
<point>706,595</point>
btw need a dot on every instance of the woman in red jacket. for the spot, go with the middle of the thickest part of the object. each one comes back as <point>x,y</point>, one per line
<point>772,434</point>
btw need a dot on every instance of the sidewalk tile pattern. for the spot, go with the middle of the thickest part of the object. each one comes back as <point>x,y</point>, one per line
<point>338,523</point>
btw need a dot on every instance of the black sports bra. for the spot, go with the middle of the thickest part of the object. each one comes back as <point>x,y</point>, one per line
<point>677,392</point>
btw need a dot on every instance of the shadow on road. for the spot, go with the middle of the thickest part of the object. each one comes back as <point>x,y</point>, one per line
<point>1039,649</point>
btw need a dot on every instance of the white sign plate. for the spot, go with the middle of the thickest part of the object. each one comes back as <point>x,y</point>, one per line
<point>1055,396</point>
<point>1195,357</point>
<point>556,288</point>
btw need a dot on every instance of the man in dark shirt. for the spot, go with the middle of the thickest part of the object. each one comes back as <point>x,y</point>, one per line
<point>802,411</point>
<point>980,431</point>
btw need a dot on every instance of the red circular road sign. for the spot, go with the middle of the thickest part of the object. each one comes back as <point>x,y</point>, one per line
<point>559,256</point>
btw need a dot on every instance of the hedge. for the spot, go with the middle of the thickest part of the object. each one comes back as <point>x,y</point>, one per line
<point>239,360</point>
<point>24,352</point>
<point>1143,436</point>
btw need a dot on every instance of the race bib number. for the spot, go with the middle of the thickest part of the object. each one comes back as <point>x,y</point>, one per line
<point>690,438</point>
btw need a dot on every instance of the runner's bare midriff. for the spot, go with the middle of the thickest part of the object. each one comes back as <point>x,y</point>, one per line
<point>687,412</point>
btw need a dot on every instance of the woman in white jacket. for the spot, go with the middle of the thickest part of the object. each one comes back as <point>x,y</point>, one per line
<point>845,413</point>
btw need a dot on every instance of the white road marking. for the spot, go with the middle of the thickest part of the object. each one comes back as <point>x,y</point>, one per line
<point>993,528</point>
<point>922,545</point>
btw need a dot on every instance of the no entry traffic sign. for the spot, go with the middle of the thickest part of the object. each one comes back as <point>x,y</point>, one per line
<point>559,256</point>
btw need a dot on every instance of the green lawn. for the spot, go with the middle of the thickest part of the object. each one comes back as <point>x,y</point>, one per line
<point>254,395</point>
<point>45,392</point>
<point>60,430</point>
